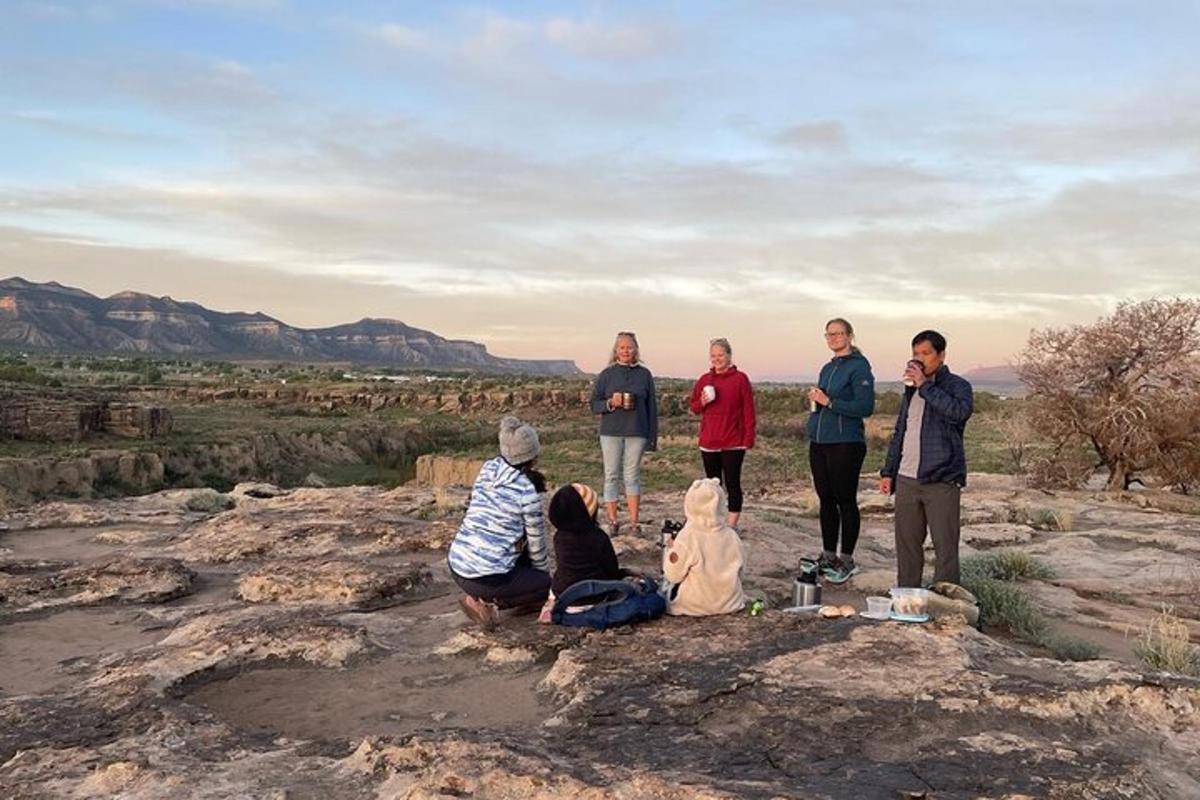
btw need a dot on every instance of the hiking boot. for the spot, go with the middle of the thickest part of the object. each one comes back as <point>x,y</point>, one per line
<point>839,571</point>
<point>481,612</point>
<point>612,528</point>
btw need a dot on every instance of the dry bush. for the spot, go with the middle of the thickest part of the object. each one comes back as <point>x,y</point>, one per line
<point>1065,466</point>
<point>1011,422</point>
<point>1165,645</point>
<point>1125,387</point>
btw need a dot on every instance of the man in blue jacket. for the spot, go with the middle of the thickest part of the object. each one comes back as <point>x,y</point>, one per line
<point>926,465</point>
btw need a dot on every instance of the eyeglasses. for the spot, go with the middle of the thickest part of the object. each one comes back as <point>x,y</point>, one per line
<point>836,334</point>
<point>626,333</point>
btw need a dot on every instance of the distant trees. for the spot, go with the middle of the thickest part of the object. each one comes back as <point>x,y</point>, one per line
<point>1125,388</point>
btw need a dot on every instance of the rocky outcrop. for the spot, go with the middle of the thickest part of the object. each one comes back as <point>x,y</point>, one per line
<point>52,420</point>
<point>275,456</point>
<point>37,587</point>
<point>343,583</point>
<point>447,470</point>
<point>25,479</point>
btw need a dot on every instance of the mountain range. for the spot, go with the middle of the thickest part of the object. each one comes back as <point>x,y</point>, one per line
<point>55,318</point>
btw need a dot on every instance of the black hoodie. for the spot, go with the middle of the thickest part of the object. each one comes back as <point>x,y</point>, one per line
<point>581,550</point>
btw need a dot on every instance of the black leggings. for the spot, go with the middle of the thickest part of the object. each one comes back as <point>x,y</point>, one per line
<point>523,585</point>
<point>726,466</point>
<point>835,470</point>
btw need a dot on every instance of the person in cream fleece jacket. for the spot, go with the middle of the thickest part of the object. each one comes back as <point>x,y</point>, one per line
<point>704,562</point>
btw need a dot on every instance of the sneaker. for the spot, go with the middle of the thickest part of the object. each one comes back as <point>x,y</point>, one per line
<point>481,612</point>
<point>818,564</point>
<point>838,572</point>
<point>611,528</point>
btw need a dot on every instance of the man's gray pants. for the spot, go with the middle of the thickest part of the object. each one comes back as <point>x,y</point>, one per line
<point>920,507</point>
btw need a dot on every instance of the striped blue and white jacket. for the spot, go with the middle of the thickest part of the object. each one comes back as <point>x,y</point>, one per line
<point>505,513</point>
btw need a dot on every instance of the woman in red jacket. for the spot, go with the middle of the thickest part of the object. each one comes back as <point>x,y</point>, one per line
<point>725,402</point>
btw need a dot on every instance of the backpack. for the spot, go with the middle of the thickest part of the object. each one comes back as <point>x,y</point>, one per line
<point>613,603</point>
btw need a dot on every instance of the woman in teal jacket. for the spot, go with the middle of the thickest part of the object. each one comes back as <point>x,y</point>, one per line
<point>843,398</point>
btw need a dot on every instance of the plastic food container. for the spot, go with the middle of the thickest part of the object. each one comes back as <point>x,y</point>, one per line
<point>879,606</point>
<point>910,602</point>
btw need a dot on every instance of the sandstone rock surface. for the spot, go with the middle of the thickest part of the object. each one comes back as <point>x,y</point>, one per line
<point>308,644</point>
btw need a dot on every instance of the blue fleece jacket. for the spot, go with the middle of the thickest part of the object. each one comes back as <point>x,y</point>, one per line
<point>949,402</point>
<point>851,387</point>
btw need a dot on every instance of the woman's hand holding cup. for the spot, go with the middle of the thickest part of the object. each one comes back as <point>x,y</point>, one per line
<point>708,394</point>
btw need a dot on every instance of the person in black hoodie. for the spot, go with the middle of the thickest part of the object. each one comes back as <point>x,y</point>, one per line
<point>582,551</point>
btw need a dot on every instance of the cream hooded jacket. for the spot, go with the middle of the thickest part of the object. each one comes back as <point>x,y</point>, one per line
<point>706,559</point>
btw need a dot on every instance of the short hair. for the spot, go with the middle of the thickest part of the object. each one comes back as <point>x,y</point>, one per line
<point>722,343</point>
<point>935,339</point>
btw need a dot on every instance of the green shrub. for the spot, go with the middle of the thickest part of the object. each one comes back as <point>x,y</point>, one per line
<point>209,501</point>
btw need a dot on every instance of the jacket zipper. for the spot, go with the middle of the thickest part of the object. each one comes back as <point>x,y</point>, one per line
<point>828,385</point>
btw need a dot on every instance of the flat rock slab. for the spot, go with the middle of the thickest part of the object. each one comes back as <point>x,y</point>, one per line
<point>996,534</point>
<point>119,579</point>
<point>341,583</point>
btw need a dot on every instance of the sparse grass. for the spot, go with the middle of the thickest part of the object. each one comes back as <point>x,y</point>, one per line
<point>1067,649</point>
<point>1165,645</point>
<point>1004,565</point>
<point>1117,598</point>
<point>992,578</point>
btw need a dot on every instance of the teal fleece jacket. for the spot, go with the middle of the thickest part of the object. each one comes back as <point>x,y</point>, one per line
<point>851,386</point>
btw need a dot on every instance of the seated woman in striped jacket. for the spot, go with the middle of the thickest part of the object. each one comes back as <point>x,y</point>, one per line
<point>499,557</point>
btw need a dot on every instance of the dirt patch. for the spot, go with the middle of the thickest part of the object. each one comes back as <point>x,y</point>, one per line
<point>394,696</point>
<point>36,655</point>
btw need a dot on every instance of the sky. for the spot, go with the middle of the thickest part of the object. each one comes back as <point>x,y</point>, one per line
<point>538,176</point>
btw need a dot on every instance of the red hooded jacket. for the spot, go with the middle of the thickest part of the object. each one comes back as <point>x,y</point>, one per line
<point>728,422</point>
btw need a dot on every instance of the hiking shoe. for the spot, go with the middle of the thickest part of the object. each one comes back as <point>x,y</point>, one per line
<point>481,612</point>
<point>838,572</point>
<point>816,565</point>
<point>611,528</point>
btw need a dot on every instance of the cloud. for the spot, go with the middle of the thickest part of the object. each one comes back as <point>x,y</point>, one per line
<point>826,135</point>
<point>497,37</point>
<point>593,40</point>
<point>403,37</point>
<point>58,124</point>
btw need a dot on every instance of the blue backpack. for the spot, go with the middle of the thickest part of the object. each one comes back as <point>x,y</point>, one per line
<point>613,603</point>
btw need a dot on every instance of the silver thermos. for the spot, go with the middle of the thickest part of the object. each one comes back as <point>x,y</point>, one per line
<point>805,593</point>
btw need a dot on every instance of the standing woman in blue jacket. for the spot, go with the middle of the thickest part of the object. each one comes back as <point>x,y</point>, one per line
<point>624,397</point>
<point>843,398</point>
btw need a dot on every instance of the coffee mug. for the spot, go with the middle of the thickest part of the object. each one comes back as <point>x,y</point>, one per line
<point>709,393</point>
<point>626,400</point>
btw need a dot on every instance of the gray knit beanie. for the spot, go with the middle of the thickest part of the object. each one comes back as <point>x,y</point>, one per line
<point>518,441</point>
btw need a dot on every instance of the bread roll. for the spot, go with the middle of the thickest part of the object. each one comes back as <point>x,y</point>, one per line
<point>848,611</point>
<point>829,611</point>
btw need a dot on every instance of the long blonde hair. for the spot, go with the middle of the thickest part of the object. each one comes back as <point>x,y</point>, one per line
<point>637,354</point>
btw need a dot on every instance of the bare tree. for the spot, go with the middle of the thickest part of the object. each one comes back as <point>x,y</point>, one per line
<point>1127,386</point>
